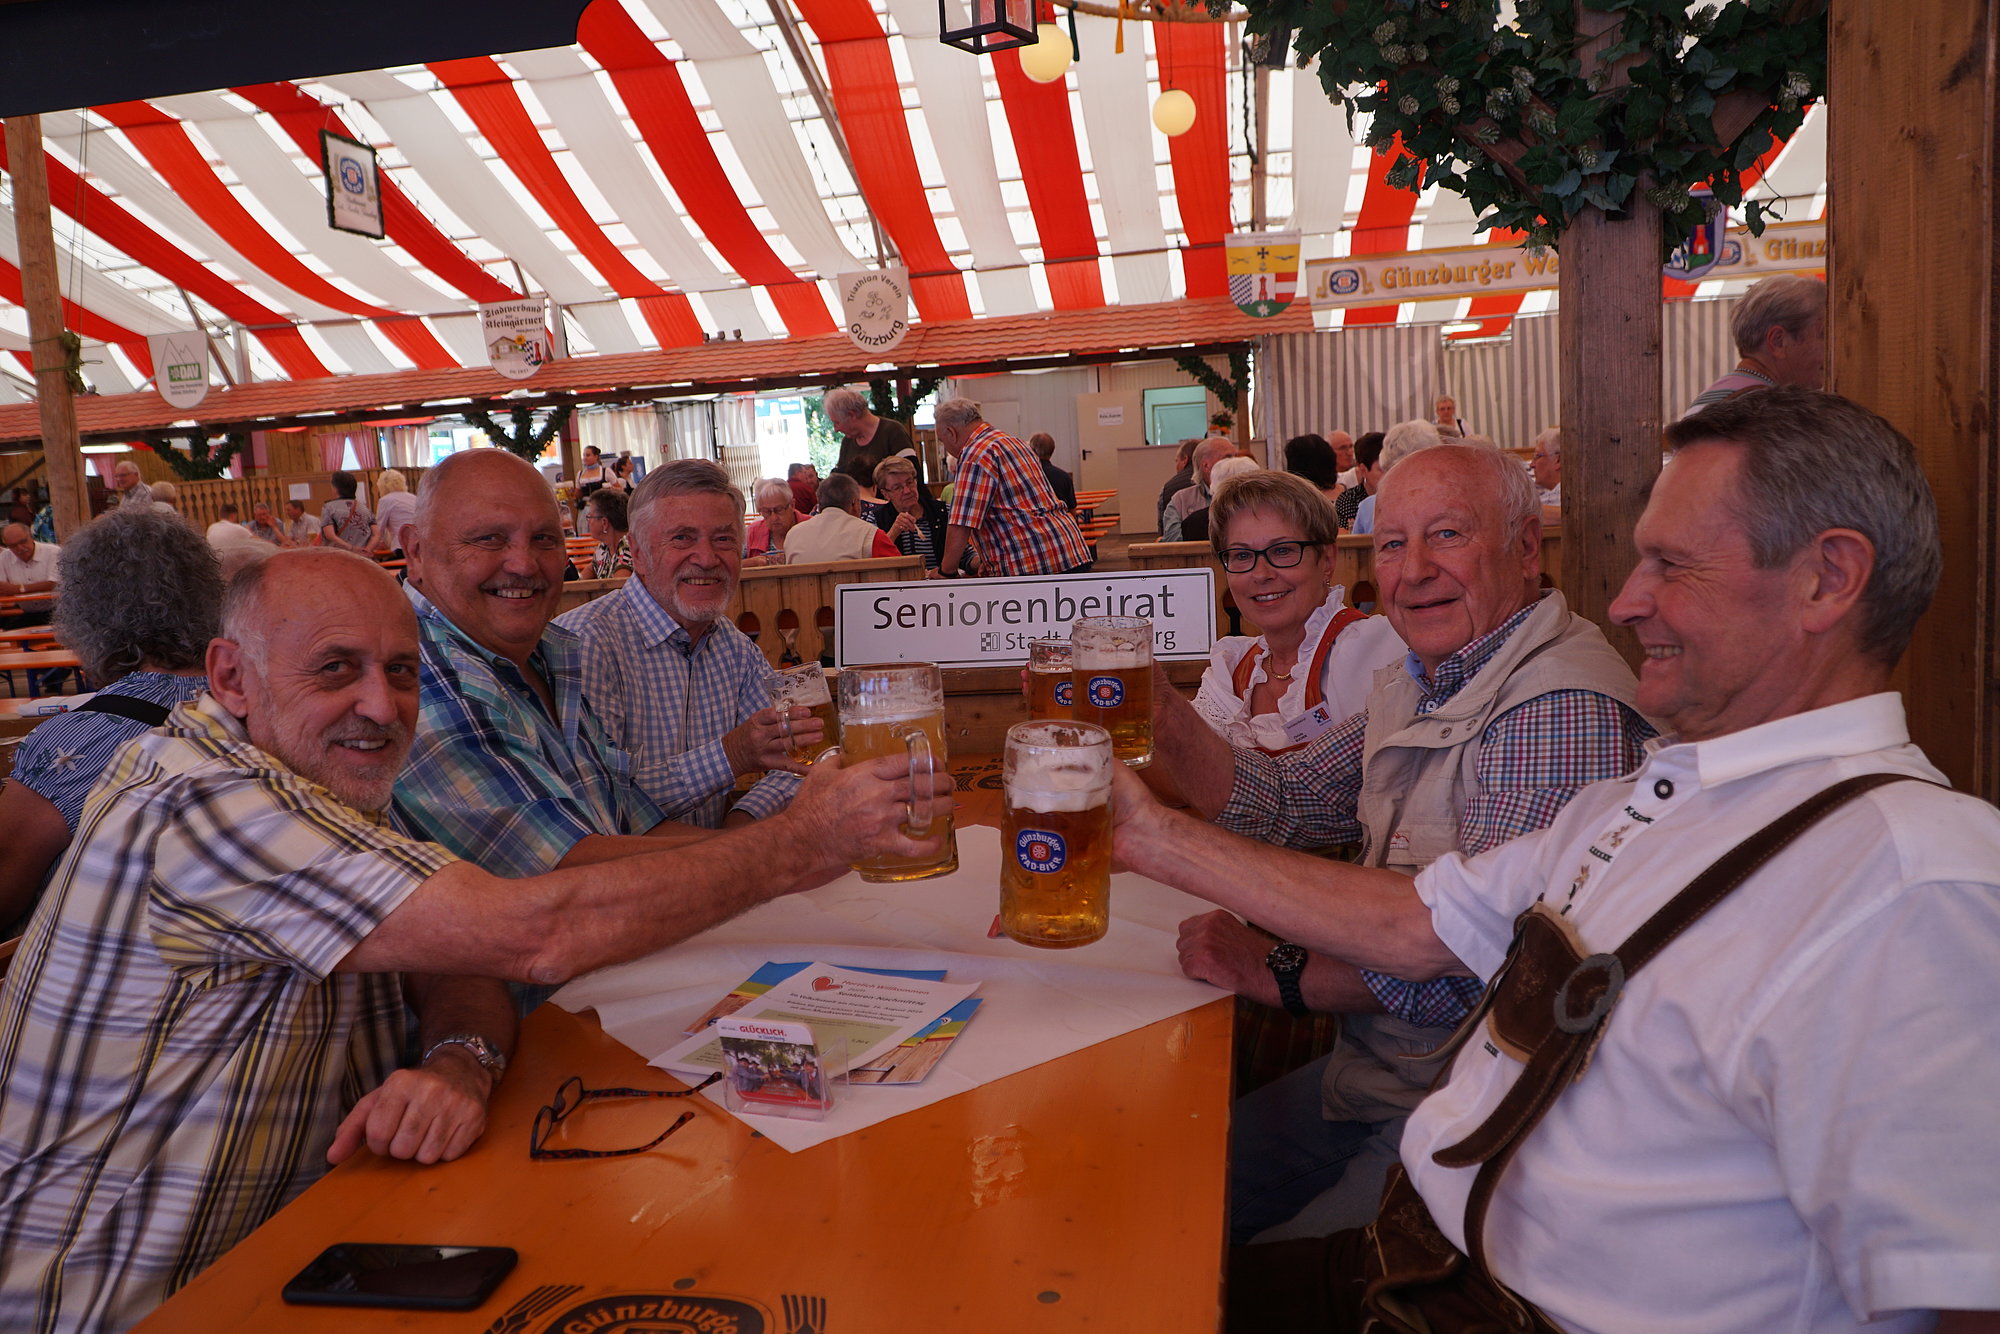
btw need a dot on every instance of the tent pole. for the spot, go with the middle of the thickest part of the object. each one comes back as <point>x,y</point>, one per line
<point>43,298</point>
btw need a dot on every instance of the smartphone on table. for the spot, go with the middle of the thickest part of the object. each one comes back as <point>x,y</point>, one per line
<point>423,1278</point>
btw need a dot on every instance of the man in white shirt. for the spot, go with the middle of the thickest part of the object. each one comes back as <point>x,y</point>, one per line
<point>26,566</point>
<point>1786,1121</point>
<point>837,532</point>
<point>228,530</point>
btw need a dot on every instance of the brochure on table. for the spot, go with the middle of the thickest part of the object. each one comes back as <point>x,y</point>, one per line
<point>870,1014</point>
<point>1038,1004</point>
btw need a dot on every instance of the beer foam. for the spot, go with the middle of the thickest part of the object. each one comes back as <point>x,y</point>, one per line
<point>1111,659</point>
<point>1066,780</point>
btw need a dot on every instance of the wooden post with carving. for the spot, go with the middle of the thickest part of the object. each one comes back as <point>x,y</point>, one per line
<point>1914,322</point>
<point>43,298</point>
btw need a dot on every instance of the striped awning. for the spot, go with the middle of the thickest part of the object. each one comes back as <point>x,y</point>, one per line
<point>694,167</point>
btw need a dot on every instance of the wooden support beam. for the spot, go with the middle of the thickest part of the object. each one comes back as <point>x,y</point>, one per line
<point>42,295</point>
<point>1611,418</point>
<point>1914,328</point>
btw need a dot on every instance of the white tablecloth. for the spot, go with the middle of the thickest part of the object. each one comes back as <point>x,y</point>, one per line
<point>1038,1004</point>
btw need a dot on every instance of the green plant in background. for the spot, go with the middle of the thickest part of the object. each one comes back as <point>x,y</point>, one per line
<point>196,456</point>
<point>524,439</point>
<point>822,441</point>
<point>1229,389</point>
<point>900,398</point>
<point>1573,104</point>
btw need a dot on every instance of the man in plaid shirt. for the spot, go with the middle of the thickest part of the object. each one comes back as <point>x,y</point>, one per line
<point>209,1006</point>
<point>677,686</point>
<point>1002,501</point>
<point>1507,707</point>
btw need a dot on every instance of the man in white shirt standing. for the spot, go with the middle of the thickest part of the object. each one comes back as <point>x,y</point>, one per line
<point>1785,1122</point>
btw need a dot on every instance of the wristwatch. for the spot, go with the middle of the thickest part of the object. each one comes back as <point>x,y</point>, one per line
<point>1287,963</point>
<point>484,1052</point>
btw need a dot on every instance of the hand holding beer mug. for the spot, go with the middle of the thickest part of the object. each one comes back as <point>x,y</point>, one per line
<point>1112,669</point>
<point>897,708</point>
<point>803,688</point>
<point>1050,687</point>
<point>1055,834</point>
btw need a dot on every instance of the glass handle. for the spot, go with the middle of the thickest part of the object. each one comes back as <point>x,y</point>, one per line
<point>920,745</point>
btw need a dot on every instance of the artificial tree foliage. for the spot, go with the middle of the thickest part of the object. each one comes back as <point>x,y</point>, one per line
<point>524,438</point>
<point>1568,104</point>
<point>196,456</point>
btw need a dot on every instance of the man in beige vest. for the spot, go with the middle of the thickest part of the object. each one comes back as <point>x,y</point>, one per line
<point>1507,706</point>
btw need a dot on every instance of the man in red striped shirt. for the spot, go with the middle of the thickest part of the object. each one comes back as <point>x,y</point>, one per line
<point>1002,500</point>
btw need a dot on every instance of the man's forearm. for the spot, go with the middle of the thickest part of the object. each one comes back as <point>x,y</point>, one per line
<point>956,538</point>
<point>1191,752</point>
<point>1360,915</point>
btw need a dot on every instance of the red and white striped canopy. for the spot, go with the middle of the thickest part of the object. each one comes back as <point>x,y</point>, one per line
<point>673,174</point>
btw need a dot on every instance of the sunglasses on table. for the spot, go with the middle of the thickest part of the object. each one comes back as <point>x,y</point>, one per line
<point>572,1095</point>
<point>1279,556</point>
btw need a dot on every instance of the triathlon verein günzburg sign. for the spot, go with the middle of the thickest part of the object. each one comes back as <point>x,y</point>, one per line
<point>988,622</point>
<point>875,307</point>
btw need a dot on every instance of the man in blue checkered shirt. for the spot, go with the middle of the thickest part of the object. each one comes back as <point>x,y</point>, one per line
<point>677,687</point>
<point>1507,706</point>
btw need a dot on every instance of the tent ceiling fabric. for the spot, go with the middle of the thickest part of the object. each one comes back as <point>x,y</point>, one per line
<point>672,176</point>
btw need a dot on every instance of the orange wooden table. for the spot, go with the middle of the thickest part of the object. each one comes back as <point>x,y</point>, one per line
<point>1083,1194</point>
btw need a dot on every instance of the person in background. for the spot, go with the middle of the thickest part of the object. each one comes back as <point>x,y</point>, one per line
<point>866,439</point>
<point>1546,464</point>
<point>1367,476</point>
<point>1002,501</point>
<point>144,592</point>
<point>777,515</point>
<point>1343,454</point>
<point>1183,477</point>
<point>1044,446</point>
<point>264,527</point>
<point>604,519</point>
<point>914,519</point>
<point>1187,512</point>
<point>165,496</point>
<point>344,522</point>
<point>1312,457</point>
<point>624,474</point>
<point>229,529</point>
<point>1314,663</point>
<point>803,479</point>
<point>1780,333</point>
<point>1448,423</point>
<point>1399,442</point>
<point>26,566</point>
<point>837,532</point>
<point>125,485</point>
<point>301,529</point>
<point>593,474</point>
<point>395,508</point>
<point>677,686</point>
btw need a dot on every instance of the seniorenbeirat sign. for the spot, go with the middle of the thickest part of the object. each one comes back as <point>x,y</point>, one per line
<point>988,622</point>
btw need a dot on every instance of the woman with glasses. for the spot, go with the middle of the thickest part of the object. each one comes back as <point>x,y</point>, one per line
<point>1312,667</point>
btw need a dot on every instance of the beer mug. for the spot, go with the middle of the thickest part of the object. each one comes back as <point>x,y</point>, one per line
<point>1049,685</point>
<point>897,708</point>
<point>803,688</point>
<point>1112,668</point>
<point>1055,834</point>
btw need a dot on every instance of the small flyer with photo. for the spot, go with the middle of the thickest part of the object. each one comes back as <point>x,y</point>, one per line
<point>772,1065</point>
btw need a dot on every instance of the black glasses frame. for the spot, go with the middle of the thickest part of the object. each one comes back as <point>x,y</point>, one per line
<point>571,1094</point>
<point>1231,556</point>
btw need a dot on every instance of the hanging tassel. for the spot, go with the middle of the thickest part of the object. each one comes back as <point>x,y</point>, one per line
<point>1118,46</point>
<point>1075,47</point>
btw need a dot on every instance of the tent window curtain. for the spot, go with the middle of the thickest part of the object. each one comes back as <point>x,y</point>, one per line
<point>634,431</point>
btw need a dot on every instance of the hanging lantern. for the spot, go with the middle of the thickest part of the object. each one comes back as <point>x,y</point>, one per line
<point>1173,113</point>
<point>1049,58</point>
<point>993,25</point>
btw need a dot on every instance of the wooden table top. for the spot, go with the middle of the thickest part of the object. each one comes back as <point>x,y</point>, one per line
<point>1084,1193</point>
<point>38,661</point>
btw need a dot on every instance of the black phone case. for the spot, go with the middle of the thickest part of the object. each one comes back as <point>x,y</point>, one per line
<point>492,1264</point>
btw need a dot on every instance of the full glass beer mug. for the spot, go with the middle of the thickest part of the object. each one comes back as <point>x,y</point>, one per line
<point>1112,667</point>
<point>897,708</point>
<point>803,688</point>
<point>1055,834</point>
<point>1050,686</point>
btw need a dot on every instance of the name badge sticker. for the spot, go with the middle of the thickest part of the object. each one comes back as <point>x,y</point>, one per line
<point>1309,725</point>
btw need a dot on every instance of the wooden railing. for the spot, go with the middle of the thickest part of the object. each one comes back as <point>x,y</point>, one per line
<point>201,502</point>
<point>776,600</point>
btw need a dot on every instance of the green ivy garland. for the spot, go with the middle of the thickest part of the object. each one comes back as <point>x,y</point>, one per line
<point>196,456</point>
<point>1576,103</point>
<point>884,401</point>
<point>524,439</point>
<point>1227,389</point>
